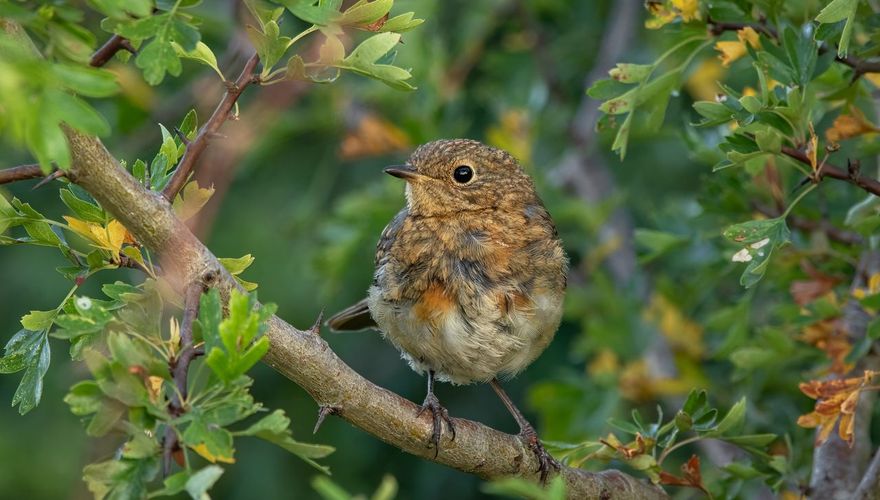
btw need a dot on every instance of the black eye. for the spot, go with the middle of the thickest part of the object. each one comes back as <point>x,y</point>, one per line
<point>463,174</point>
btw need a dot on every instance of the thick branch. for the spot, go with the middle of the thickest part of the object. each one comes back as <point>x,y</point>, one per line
<point>308,360</point>
<point>103,55</point>
<point>853,176</point>
<point>195,148</point>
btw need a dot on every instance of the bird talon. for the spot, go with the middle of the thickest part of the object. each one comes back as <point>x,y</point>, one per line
<point>545,460</point>
<point>438,416</point>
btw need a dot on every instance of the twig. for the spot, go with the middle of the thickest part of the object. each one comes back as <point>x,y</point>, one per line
<point>833,232</point>
<point>851,174</point>
<point>109,49</point>
<point>20,173</point>
<point>180,368</point>
<point>195,148</point>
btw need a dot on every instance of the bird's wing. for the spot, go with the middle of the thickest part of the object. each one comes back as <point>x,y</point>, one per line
<point>353,318</point>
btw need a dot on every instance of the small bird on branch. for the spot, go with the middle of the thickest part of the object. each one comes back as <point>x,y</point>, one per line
<point>470,276</point>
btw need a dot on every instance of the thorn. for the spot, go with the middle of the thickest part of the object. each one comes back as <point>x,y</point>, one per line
<point>801,184</point>
<point>181,136</point>
<point>323,411</point>
<point>128,46</point>
<point>316,328</point>
<point>853,167</point>
<point>49,178</point>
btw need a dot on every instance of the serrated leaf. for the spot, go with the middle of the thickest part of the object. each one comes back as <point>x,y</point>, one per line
<point>29,351</point>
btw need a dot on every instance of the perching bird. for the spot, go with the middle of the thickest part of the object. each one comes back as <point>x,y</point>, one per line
<point>470,275</point>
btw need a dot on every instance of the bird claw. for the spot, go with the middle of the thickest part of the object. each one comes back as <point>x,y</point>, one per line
<point>545,460</point>
<point>438,416</point>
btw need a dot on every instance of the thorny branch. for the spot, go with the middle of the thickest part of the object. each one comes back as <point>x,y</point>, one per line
<point>198,145</point>
<point>180,368</point>
<point>851,174</point>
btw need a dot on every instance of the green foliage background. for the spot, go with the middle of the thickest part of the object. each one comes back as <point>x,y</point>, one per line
<point>511,74</point>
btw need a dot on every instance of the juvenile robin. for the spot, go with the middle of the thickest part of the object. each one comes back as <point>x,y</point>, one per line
<point>470,275</point>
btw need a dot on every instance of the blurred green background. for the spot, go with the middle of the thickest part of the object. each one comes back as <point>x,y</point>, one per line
<point>300,187</point>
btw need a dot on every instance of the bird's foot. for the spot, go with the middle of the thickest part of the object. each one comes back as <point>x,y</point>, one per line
<point>545,461</point>
<point>438,415</point>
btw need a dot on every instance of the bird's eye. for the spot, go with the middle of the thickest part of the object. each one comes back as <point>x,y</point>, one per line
<point>463,174</point>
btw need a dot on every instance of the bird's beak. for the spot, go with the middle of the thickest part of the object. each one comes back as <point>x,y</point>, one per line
<point>405,172</point>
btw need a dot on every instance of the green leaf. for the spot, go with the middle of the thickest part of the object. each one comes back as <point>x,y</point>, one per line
<point>365,12</point>
<point>630,73</point>
<point>237,265</point>
<point>201,53</point>
<point>321,14</point>
<point>208,440</point>
<point>120,479</point>
<point>199,483</point>
<point>760,238</point>
<point>362,60</point>
<point>157,58</point>
<point>269,44</point>
<point>837,10</point>
<point>328,490</point>
<point>84,398</point>
<point>36,321</point>
<point>275,428</point>
<point>756,440</point>
<point>234,345</point>
<point>399,24</point>
<point>90,82</point>
<point>76,113</point>
<point>733,419</point>
<point>387,489</point>
<point>29,351</point>
<point>83,209</point>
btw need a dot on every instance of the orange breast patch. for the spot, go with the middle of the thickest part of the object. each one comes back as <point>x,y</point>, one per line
<point>434,303</point>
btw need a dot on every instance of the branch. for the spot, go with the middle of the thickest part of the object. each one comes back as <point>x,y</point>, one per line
<point>307,359</point>
<point>851,174</point>
<point>20,173</point>
<point>180,368</point>
<point>195,148</point>
<point>109,49</point>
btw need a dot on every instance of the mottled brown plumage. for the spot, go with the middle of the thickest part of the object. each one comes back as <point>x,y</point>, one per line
<point>470,275</point>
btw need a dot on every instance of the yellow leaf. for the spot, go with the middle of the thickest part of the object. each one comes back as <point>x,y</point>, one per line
<point>604,363</point>
<point>191,200</point>
<point>703,82</point>
<point>812,149</point>
<point>733,50</point>
<point>154,387</point>
<point>684,335</point>
<point>661,15</point>
<point>849,125</point>
<point>835,399</point>
<point>513,134</point>
<point>873,78</point>
<point>116,236</point>
<point>202,450</point>
<point>688,9</point>
<point>79,227</point>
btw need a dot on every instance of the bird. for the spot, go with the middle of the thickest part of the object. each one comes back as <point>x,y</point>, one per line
<point>470,276</point>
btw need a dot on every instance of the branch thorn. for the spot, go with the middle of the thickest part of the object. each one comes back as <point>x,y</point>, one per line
<point>316,328</point>
<point>323,411</point>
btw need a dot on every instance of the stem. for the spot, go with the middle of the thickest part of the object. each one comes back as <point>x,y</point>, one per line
<point>797,200</point>
<point>676,446</point>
